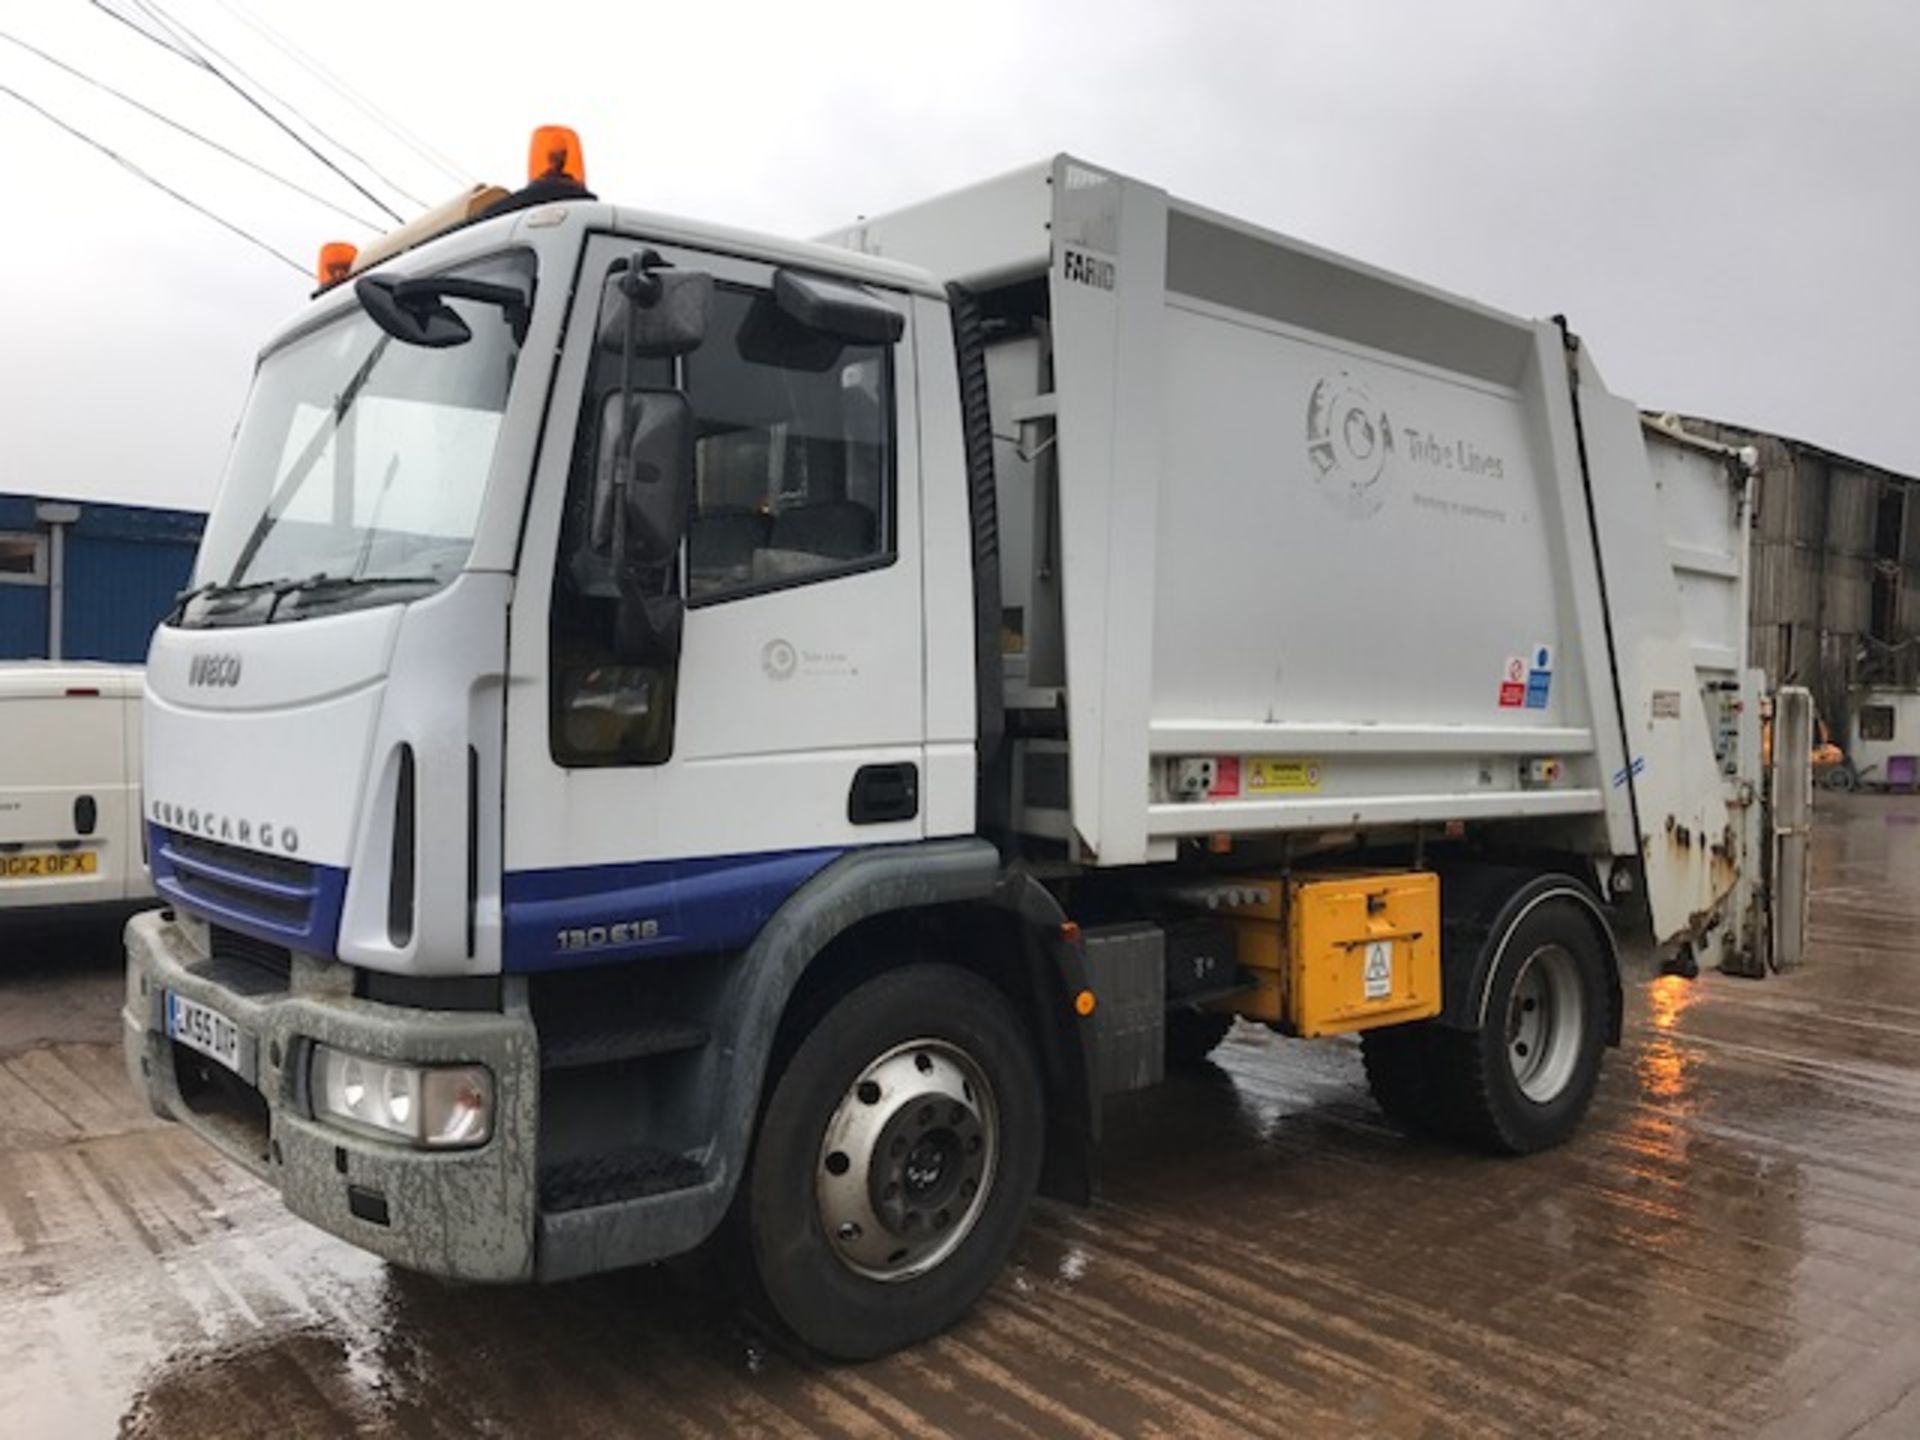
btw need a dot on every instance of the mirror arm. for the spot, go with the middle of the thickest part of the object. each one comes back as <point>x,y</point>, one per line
<point>623,451</point>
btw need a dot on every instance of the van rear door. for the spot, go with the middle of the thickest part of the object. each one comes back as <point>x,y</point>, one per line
<point>65,795</point>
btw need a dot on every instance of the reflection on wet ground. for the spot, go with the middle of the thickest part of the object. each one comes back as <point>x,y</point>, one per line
<point>1729,1249</point>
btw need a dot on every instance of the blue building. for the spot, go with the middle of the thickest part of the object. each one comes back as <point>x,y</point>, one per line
<point>80,581</point>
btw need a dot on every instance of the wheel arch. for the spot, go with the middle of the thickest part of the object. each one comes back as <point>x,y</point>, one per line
<point>874,910</point>
<point>1488,905</point>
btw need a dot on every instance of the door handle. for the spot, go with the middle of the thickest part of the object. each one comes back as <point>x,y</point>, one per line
<point>884,793</point>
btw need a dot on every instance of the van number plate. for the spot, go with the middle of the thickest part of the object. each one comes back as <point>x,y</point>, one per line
<point>199,1027</point>
<point>47,864</point>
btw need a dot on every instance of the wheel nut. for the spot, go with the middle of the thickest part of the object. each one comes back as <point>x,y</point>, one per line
<point>848,1232</point>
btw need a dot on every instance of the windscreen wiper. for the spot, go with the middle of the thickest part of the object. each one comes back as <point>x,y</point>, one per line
<point>213,590</point>
<point>325,584</point>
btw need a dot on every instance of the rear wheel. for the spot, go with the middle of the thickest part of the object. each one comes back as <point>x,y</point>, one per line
<point>1523,1081</point>
<point>895,1163</point>
<point>1399,1073</point>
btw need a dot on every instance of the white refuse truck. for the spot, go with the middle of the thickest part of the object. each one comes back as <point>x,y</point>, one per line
<point>70,821</point>
<point>680,736</point>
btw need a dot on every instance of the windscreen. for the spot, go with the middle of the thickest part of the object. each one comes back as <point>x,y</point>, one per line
<point>362,458</point>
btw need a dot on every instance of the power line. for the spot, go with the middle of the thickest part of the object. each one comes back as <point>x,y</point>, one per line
<point>200,62</point>
<point>162,41</point>
<point>189,131</point>
<point>425,149</point>
<point>181,32</point>
<point>160,185</point>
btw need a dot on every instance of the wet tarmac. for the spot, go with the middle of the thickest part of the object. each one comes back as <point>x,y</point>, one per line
<point>1732,1247</point>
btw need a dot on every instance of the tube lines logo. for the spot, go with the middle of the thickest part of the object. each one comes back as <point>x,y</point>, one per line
<point>1350,443</point>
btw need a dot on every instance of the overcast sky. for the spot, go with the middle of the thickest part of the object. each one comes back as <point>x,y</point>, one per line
<point>1722,195</point>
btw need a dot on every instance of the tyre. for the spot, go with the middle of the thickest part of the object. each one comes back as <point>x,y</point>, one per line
<point>895,1163</point>
<point>1400,1075</point>
<point>1840,778</point>
<point>1193,1035</point>
<point>1524,1080</point>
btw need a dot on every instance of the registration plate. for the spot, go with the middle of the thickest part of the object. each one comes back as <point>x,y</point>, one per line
<point>200,1027</point>
<point>48,864</point>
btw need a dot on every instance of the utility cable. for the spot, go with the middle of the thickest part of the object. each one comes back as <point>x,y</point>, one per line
<point>190,132</point>
<point>187,37</point>
<point>200,62</point>
<point>160,185</point>
<point>419,145</point>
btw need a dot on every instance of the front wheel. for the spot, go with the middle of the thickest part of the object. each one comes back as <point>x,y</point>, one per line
<point>895,1163</point>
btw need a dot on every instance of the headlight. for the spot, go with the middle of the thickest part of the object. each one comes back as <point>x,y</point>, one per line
<point>436,1107</point>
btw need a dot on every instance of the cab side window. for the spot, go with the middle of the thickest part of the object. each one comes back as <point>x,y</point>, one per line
<point>794,461</point>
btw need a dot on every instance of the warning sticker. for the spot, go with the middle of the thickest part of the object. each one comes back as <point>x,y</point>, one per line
<point>1378,979</point>
<point>1513,683</point>
<point>1265,775</point>
<point>1539,677</point>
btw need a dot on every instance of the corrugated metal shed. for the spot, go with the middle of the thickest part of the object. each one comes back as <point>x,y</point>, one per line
<point>94,578</point>
<point>1836,569</point>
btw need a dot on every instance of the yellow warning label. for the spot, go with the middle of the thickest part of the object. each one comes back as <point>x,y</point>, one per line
<point>1266,775</point>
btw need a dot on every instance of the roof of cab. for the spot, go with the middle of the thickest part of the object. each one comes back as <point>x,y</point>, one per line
<point>756,245</point>
<point>529,225</point>
<point>58,679</point>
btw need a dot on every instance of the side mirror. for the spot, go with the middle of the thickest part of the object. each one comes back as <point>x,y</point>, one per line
<point>663,312</point>
<point>837,308</point>
<point>807,321</point>
<point>653,480</point>
<point>415,312</point>
<point>411,319</point>
<point>650,311</point>
<point>659,477</point>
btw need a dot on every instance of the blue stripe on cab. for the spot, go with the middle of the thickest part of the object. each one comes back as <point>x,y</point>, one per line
<point>592,914</point>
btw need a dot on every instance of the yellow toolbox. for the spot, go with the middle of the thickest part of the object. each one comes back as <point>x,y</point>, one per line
<point>1338,951</point>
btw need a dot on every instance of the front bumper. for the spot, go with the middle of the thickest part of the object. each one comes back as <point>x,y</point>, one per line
<point>466,1214</point>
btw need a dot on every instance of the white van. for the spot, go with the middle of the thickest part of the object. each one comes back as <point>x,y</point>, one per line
<point>70,786</point>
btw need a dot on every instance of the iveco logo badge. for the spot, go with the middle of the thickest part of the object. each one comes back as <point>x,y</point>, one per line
<point>215,668</point>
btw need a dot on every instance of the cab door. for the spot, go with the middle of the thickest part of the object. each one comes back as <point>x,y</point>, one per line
<point>670,806</point>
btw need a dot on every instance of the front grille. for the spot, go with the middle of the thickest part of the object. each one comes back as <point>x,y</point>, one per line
<point>272,899</point>
<point>281,869</point>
